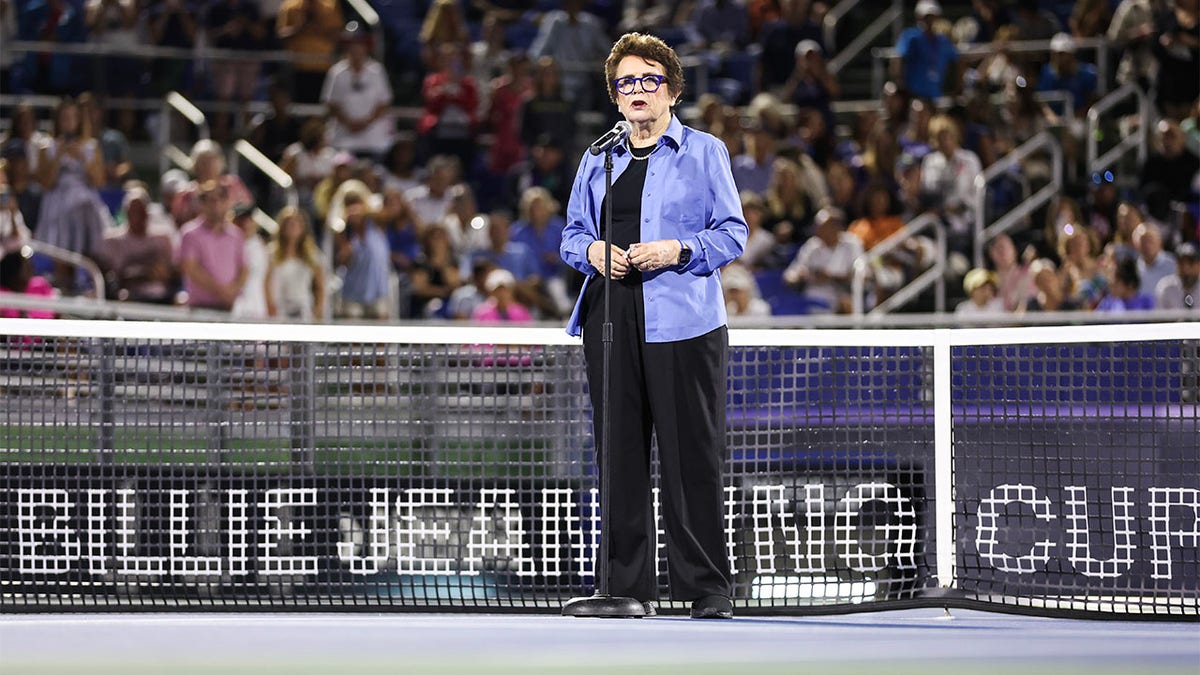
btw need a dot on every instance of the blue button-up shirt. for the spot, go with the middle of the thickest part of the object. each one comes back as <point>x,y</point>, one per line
<point>689,195</point>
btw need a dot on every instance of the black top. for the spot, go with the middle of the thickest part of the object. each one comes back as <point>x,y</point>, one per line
<point>627,201</point>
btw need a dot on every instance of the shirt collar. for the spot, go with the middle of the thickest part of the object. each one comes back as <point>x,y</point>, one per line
<point>674,134</point>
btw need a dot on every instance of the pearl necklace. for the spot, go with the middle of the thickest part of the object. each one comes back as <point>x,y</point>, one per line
<point>634,155</point>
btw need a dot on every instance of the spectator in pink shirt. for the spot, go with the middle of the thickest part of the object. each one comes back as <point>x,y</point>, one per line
<point>501,305</point>
<point>211,253</point>
<point>16,276</point>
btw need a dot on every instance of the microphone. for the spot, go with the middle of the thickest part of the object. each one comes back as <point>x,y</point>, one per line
<point>611,138</point>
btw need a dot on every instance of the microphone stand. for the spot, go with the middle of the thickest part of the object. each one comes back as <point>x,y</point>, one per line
<point>602,604</point>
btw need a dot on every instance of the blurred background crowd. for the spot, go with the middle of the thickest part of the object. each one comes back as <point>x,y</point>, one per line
<point>421,154</point>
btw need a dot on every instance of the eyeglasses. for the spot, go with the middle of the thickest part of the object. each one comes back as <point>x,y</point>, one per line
<point>650,83</point>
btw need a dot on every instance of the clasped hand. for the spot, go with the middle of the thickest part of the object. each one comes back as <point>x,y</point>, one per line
<point>643,256</point>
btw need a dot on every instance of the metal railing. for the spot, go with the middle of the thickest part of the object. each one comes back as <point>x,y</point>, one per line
<point>1098,163</point>
<point>883,55</point>
<point>243,149</point>
<point>888,18</point>
<point>934,276</point>
<point>171,153</point>
<point>62,255</point>
<point>1011,163</point>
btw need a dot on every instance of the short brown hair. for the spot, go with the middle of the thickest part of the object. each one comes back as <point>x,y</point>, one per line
<point>647,47</point>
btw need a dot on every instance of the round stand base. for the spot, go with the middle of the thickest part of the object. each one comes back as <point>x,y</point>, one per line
<point>604,607</point>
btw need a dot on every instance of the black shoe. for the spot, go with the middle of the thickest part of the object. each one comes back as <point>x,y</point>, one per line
<point>712,607</point>
<point>651,609</point>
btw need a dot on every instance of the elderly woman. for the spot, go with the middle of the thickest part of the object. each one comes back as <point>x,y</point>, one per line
<point>676,220</point>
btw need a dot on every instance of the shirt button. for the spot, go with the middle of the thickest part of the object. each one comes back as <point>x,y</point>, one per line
<point>646,220</point>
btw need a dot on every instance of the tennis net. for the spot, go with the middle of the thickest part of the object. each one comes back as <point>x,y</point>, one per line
<point>158,465</point>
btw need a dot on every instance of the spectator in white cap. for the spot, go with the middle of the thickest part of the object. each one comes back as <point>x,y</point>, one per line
<point>1065,72</point>
<point>811,85</point>
<point>501,305</point>
<point>926,61</point>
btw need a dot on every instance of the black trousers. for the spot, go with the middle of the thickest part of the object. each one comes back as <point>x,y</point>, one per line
<point>677,391</point>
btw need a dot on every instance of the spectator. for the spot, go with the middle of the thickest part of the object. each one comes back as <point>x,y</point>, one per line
<point>488,55</point>
<point>1181,290</point>
<point>540,229</point>
<point>980,286</point>
<point>518,258</point>
<point>361,250</point>
<point>896,102</point>
<point>16,276</point>
<point>310,30</point>
<point>359,98</point>
<point>760,242</point>
<point>754,169</point>
<point>435,275</point>
<point>208,163</point>
<point>509,93</point>
<point>329,191</point>
<point>786,197</point>
<point>1034,23</point>
<point>1063,219</point>
<point>1021,118</point>
<point>1153,263</point>
<point>843,191</point>
<point>13,232</point>
<point>800,20</point>
<point>546,168</point>
<point>990,17</point>
<point>577,42</point>
<point>397,220</point>
<point>879,157</point>
<point>114,147</point>
<point>1129,216</point>
<point>139,264</point>
<point>23,190</point>
<point>399,164</point>
<point>721,25</point>
<point>444,26</point>
<point>825,263</point>
<point>915,138</point>
<point>114,23</point>
<point>234,24</point>
<point>925,59</point>
<point>449,119</point>
<point>1083,282</point>
<point>1178,52</point>
<point>431,199</point>
<point>501,304</point>
<point>1131,31</point>
<point>547,112</point>
<point>295,283</point>
<point>59,21</point>
<point>1124,295</point>
<point>999,67</point>
<point>309,161</point>
<point>70,169</point>
<point>251,303</point>
<point>172,24</point>
<point>23,133</point>
<point>1089,18</point>
<point>742,297</point>
<point>1065,72</point>
<point>467,297</point>
<point>8,32</point>
<point>1171,165</point>
<point>811,85</point>
<point>212,252</point>
<point>273,132</point>
<point>949,174</point>
<point>1013,278</point>
<point>1047,289</point>
<point>879,220</point>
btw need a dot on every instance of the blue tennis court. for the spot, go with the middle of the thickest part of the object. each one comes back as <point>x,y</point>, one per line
<point>918,641</point>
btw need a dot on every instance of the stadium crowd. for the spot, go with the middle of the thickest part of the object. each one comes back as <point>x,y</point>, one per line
<point>457,213</point>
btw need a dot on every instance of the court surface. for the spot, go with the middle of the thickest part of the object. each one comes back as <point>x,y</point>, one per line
<point>922,641</point>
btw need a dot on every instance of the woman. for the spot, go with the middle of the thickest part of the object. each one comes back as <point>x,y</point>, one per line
<point>361,248</point>
<point>295,277</point>
<point>676,220</point>
<point>435,275</point>
<point>208,163</point>
<point>71,169</point>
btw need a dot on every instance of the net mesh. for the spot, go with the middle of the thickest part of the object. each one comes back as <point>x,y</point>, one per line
<point>252,473</point>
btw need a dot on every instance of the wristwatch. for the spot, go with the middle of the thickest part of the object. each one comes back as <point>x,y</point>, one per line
<point>685,254</point>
